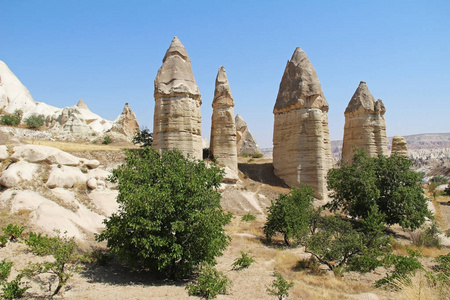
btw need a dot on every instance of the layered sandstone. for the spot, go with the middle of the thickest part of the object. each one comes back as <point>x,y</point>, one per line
<point>365,126</point>
<point>126,123</point>
<point>245,141</point>
<point>399,146</point>
<point>177,117</point>
<point>301,139</point>
<point>223,127</point>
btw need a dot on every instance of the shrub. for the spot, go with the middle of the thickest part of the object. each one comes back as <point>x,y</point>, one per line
<point>279,286</point>
<point>443,268</point>
<point>248,217</point>
<point>427,238</point>
<point>107,140</point>
<point>386,182</point>
<point>143,138</point>
<point>14,289</point>
<point>170,219</point>
<point>64,251</point>
<point>257,155</point>
<point>13,231</point>
<point>404,267</point>
<point>243,262</point>
<point>3,240</point>
<point>210,283</point>
<point>311,264</point>
<point>291,215</point>
<point>9,120</point>
<point>34,122</point>
<point>5,269</point>
<point>245,154</point>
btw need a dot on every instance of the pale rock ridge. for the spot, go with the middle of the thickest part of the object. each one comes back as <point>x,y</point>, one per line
<point>399,146</point>
<point>177,116</point>
<point>365,126</point>
<point>223,128</point>
<point>301,139</point>
<point>245,141</point>
<point>13,94</point>
<point>126,123</point>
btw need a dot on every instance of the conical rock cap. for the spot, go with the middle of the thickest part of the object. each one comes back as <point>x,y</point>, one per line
<point>222,92</point>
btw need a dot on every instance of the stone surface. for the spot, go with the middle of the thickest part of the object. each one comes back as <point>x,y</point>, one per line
<point>301,139</point>
<point>399,146</point>
<point>65,177</point>
<point>177,116</point>
<point>223,128</point>
<point>245,141</point>
<point>3,152</point>
<point>365,126</point>
<point>126,123</point>
<point>18,173</point>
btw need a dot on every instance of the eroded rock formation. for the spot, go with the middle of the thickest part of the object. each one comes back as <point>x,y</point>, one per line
<point>245,141</point>
<point>223,127</point>
<point>177,117</point>
<point>126,123</point>
<point>301,139</point>
<point>365,126</point>
<point>399,146</point>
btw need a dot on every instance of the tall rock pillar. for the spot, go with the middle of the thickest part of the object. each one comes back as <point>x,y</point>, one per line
<point>399,146</point>
<point>365,126</point>
<point>223,127</point>
<point>301,138</point>
<point>177,119</point>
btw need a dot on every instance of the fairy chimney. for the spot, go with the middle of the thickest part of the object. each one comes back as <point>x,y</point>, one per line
<point>399,146</point>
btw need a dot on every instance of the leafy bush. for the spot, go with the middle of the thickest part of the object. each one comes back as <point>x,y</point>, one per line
<point>257,155</point>
<point>64,251</point>
<point>427,238</point>
<point>143,138</point>
<point>279,286</point>
<point>14,289</point>
<point>13,231</point>
<point>107,140</point>
<point>5,269</point>
<point>386,182</point>
<point>447,190</point>
<point>170,219</point>
<point>243,262</point>
<point>291,215</point>
<point>34,122</point>
<point>311,264</point>
<point>245,154</point>
<point>3,240</point>
<point>443,268</point>
<point>248,217</point>
<point>9,120</point>
<point>404,267</point>
<point>210,283</point>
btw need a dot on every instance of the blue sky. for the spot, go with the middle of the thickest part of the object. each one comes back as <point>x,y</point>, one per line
<point>108,53</point>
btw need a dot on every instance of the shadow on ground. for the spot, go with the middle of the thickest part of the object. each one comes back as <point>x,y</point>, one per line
<point>261,172</point>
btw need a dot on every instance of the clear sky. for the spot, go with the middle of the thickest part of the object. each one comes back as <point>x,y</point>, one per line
<point>108,53</point>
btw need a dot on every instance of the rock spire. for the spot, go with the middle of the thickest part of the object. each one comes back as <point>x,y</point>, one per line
<point>223,127</point>
<point>177,117</point>
<point>365,126</point>
<point>301,139</point>
<point>399,146</point>
<point>245,141</point>
<point>126,123</point>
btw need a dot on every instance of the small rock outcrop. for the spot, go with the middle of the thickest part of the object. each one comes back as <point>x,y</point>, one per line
<point>177,116</point>
<point>223,127</point>
<point>301,139</point>
<point>399,146</point>
<point>245,141</point>
<point>365,126</point>
<point>126,123</point>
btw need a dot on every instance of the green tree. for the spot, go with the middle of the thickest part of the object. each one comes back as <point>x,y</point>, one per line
<point>34,121</point>
<point>143,138</point>
<point>170,219</point>
<point>385,182</point>
<point>291,215</point>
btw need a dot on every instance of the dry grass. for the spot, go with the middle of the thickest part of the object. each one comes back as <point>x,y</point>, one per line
<point>420,289</point>
<point>68,146</point>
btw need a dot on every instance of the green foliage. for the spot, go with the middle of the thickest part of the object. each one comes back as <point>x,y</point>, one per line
<point>64,251</point>
<point>427,238</point>
<point>438,180</point>
<point>443,268</point>
<point>257,155</point>
<point>245,154</point>
<point>279,286</point>
<point>34,121</point>
<point>107,140</point>
<point>170,219</point>
<point>291,215</point>
<point>311,264</point>
<point>210,283</point>
<point>3,240</point>
<point>13,231</point>
<point>244,261</point>
<point>248,217</point>
<point>447,190</point>
<point>9,120</point>
<point>385,182</point>
<point>5,269</point>
<point>404,267</point>
<point>143,138</point>
<point>14,289</point>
